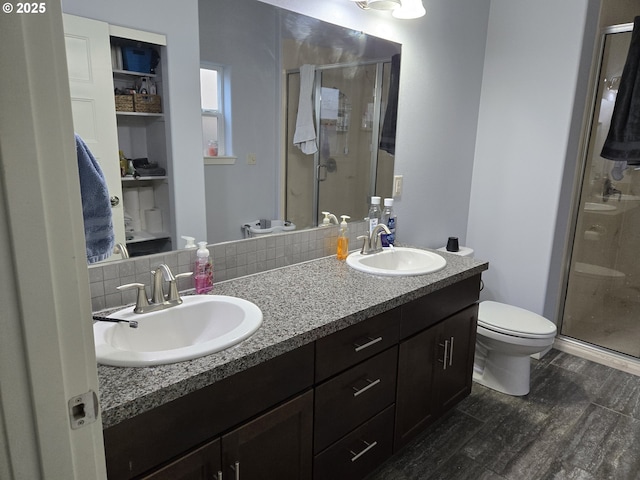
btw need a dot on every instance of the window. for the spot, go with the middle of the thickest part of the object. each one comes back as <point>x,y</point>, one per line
<point>212,104</point>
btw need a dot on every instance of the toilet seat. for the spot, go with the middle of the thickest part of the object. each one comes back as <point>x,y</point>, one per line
<point>514,321</point>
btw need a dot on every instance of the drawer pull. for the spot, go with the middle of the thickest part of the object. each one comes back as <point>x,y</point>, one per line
<point>446,354</point>
<point>368,447</point>
<point>236,468</point>
<point>372,383</point>
<point>451,353</point>
<point>362,346</point>
<point>218,475</point>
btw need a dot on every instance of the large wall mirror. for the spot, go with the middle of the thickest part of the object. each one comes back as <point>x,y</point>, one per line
<point>262,49</point>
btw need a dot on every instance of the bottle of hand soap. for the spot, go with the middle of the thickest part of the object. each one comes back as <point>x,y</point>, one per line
<point>343,239</point>
<point>203,269</point>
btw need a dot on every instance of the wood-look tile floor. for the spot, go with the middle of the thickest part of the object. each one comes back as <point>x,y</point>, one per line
<point>580,421</point>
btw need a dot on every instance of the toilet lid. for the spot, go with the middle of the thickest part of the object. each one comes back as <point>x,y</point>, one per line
<point>511,320</point>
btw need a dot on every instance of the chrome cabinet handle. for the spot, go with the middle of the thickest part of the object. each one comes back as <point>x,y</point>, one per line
<point>446,354</point>
<point>451,353</point>
<point>372,383</point>
<point>114,200</point>
<point>218,475</point>
<point>368,447</point>
<point>236,468</point>
<point>362,346</point>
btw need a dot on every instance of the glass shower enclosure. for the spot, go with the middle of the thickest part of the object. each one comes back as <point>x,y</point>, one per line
<point>349,167</point>
<point>602,305</point>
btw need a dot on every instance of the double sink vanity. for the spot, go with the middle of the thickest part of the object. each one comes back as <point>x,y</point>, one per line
<point>343,369</point>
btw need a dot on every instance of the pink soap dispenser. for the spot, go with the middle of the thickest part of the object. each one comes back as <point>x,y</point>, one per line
<point>203,269</point>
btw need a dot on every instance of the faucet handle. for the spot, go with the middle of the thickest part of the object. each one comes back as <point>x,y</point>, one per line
<point>365,243</point>
<point>142,301</point>
<point>174,296</point>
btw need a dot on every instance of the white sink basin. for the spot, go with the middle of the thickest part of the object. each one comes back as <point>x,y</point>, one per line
<point>399,261</point>
<point>203,324</point>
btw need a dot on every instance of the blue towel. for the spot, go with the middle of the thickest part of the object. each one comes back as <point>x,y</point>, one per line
<point>623,140</point>
<point>96,206</point>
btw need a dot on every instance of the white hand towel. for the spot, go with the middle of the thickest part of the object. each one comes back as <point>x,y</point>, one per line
<point>305,135</point>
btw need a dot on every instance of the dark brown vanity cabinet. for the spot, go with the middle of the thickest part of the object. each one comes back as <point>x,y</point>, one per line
<point>435,370</point>
<point>274,445</point>
<point>333,409</point>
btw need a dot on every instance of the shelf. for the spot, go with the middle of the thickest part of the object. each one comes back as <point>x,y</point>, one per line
<point>139,114</point>
<point>133,74</point>
<point>139,237</point>
<point>143,179</point>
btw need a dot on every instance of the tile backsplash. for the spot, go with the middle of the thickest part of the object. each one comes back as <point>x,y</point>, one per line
<point>230,260</point>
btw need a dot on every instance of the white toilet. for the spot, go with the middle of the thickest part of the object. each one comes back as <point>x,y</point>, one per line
<point>506,337</point>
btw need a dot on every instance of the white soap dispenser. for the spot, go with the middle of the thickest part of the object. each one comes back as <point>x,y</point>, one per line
<point>190,242</point>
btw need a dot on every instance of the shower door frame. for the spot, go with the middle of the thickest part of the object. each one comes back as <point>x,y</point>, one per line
<point>587,131</point>
<point>375,131</point>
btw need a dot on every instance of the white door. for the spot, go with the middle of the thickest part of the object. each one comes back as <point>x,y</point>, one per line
<point>92,101</point>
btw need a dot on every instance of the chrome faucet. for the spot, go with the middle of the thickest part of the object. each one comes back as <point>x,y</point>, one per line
<point>371,243</point>
<point>159,301</point>
<point>608,190</point>
<point>121,248</point>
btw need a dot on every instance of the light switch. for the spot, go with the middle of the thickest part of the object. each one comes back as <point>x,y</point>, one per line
<point>397,185</point>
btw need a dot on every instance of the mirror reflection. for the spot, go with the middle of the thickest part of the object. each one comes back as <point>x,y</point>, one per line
<point>346,99</point>
<point>253,171</point>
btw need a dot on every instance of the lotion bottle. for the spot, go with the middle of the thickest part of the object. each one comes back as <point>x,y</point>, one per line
<point>343,239</point>
<point>203,269</point>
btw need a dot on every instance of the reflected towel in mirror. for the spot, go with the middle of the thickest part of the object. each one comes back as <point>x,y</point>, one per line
<point>305,135</point>
<point>96,205</point>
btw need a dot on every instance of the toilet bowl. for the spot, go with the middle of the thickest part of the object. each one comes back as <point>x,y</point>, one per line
<point>506,337</point>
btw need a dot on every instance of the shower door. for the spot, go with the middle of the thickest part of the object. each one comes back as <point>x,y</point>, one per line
<point>602,304</point>
<point>348,167</point>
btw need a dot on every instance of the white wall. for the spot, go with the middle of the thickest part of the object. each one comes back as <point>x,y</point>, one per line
<point>527,119</point>
<point>179,22</point>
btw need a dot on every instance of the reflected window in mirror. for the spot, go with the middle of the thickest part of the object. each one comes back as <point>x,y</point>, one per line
<point>214,120</point>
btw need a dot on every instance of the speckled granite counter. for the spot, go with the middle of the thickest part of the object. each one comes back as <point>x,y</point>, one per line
<point>300,304</point>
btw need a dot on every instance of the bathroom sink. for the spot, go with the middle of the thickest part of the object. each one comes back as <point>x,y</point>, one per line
<point>598,207</point>
<point>201,325</point>
<point>398,261</point>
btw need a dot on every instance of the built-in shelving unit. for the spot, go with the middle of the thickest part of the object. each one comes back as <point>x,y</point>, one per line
<point>143,135</point>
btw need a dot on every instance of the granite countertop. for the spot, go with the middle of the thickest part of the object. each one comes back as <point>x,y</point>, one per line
<point>300,304</point>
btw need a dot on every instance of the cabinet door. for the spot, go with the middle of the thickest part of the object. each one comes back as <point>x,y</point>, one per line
<point>415,406</point>
<point>456,348</point>
<point>92,103</point>
<point>201,464</point>
<point>274,445</point>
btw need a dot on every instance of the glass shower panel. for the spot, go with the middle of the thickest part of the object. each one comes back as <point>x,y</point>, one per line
<point>602,304</point>
<point>346,130</point>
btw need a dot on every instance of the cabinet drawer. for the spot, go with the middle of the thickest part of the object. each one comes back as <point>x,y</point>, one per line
<point>351,398</point>
<point>430,309</point>
<point>356,343</point>
<point>358,453</point>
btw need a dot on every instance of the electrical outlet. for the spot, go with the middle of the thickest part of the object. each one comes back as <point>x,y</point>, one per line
<point>397,185</point>
<point>251,159</point>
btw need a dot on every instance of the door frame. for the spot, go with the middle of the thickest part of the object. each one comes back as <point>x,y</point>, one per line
<point>46,347</point>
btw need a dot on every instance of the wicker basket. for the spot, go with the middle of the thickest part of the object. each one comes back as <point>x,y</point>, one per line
<point>124,103</point>
<point>147,103</point>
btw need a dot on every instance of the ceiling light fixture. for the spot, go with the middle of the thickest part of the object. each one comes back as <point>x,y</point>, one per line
<point>410,9</point>
<point>403,9</point>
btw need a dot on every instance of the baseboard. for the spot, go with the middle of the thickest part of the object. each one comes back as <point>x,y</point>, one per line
<point>610,359</point>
